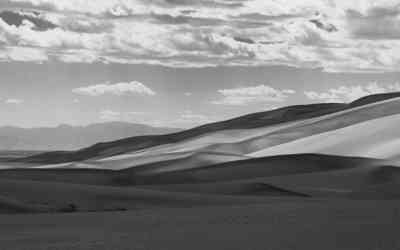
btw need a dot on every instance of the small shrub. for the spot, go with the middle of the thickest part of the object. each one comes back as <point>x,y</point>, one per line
<point>69,209</point>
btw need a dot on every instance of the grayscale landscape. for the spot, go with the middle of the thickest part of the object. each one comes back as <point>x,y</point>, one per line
<point>210,124</point>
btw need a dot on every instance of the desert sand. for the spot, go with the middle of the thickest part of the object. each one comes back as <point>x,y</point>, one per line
<point>273,182</point>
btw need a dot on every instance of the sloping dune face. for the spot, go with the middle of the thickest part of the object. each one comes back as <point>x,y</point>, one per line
<point>377,138</point>
<point>385,110</point>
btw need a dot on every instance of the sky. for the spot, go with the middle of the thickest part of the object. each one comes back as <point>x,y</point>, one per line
<point>182,63</point>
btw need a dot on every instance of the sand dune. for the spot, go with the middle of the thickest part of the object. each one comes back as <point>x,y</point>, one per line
<point>227,145</point>
<point>252,187</point>
<point>173,172</point>
<point>240,182</point>
<point>175,160</point>
<point>378,138</point>
<point>357,183</point>
<point>255,120</point>
<point>250,169</point>
<point>346,151</point>
<point>349,183</point>
<point>248,143</point>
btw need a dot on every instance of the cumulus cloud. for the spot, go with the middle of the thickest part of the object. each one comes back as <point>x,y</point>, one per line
<point>188,118</point>
<point>14,101</point>
<point>324,26</point>
<point>110,115</point>
<point>17,18</point>
<point>127,116</point>
<point>334,35</point>
<point>351,93</point>
<point>119,89</point>
<point>23,54</point>
<point>378,23</point>
<point>254,94</point>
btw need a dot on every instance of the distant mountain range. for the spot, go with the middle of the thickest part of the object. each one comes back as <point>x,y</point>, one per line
<point>67,137</point>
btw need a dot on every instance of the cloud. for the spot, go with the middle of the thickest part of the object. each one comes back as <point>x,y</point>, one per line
<point>110,115</point>
<point>378,23</point>
<point>337,36</point>
<point>14,101</point>
<point>188,118</point>
<point>119,89</point>
<point>17,18</point>
<point>23,54</point>
<point>250,95</point>
<point>127,116</point>
<point>244,40</point>
<point>351,93</point>
<point>324,26</point>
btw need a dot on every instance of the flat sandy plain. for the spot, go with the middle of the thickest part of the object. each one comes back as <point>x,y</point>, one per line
<point>277,224</point>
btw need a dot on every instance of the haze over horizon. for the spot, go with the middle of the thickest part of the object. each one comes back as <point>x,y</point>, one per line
<point>183,63</point>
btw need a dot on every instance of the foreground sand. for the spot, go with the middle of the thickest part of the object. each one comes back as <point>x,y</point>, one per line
<point>275,225</point>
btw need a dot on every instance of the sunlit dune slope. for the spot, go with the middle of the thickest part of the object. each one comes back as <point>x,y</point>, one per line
<point>378,138</point>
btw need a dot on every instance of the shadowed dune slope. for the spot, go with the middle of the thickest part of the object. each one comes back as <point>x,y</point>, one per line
<point>358,183</point>
<point>253,187</point>
<point>240,182</point>
<point>77,176</point>
<point>151,174</point>
<point>248,169</point>
<point>344,179</point>
<point>369,182</point>
<point>374,98</point>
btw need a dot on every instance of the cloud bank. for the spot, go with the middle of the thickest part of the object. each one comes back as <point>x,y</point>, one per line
<point>351,93</point>
<point>251,95</point>
<point>119,89</point>
<point>336,35</point>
